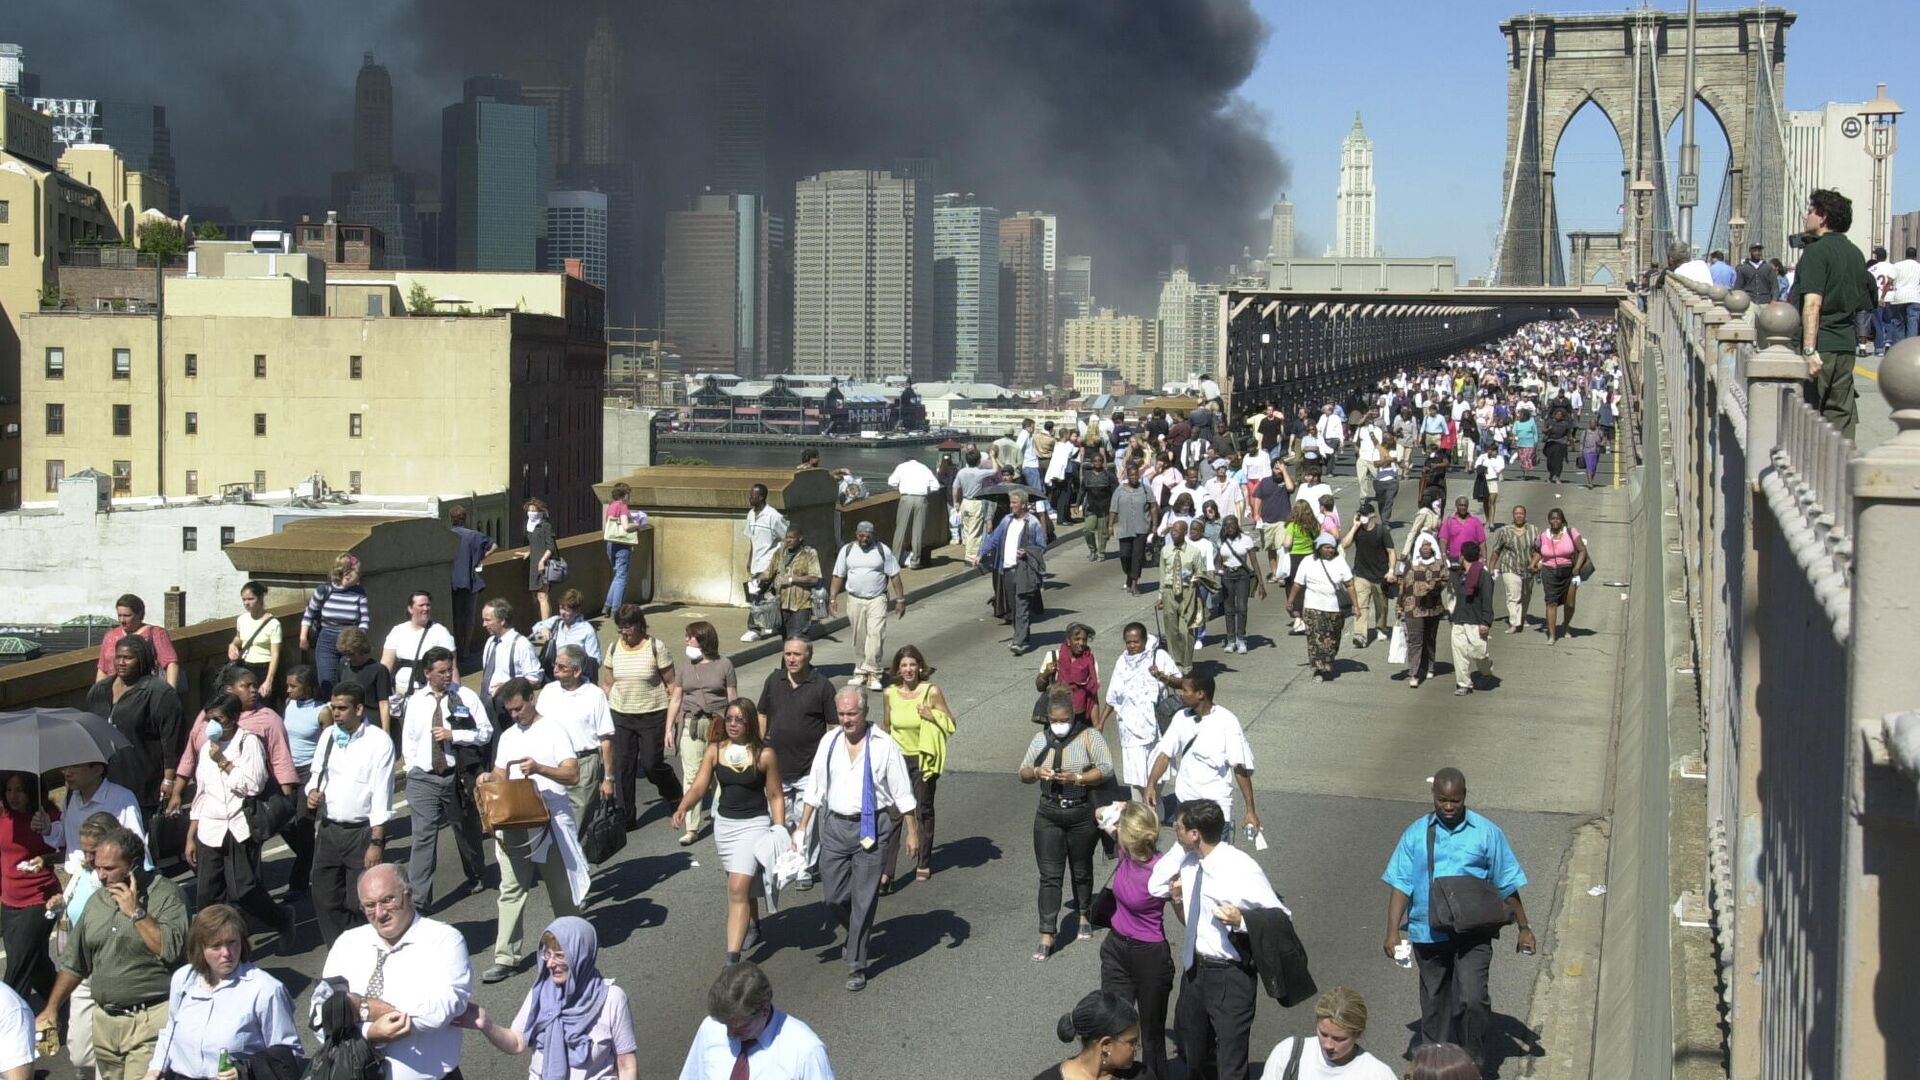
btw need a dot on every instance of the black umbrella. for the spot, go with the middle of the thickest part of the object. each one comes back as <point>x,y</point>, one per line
<point>1010,489</point>
<point>42,740</point>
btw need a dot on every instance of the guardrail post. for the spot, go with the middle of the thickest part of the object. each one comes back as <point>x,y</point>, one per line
<point>1881,885</point>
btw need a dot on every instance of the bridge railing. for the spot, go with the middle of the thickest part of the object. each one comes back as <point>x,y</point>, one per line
<point>1800,597</point>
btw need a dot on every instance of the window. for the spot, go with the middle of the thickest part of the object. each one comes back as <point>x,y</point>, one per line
<point>56,419</point>
<point>193,482</point>
<point>123,478</point>
<point>259,481</point>
<point>376,305</point>
<point>56,472</point>
<point>353,426</point>
<point>122,421</point>
<point>4,211</point>
<point>56,363</point>
<point>259,423</point>
<point>123,363</point>
<point>189,538</point>
<point>353,482</point>
<point>193,365</point>
<point>259,365</point>
<point>226,536</point>
<point>9,476</point>
<point>193,423</point>
<point>6,254</point>
<point>353,367</point>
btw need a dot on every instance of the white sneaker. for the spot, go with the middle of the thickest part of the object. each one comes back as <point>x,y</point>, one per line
<point>1299,626</point>
<point>750,636</point>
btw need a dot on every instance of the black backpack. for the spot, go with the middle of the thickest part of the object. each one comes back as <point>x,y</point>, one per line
<point>344,1053</point>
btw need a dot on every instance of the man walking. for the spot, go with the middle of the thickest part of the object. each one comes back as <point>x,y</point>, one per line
<point>407,974</point>
<point>1827,289</point>
<point>796,707</point>
<point>1016,554</point>
<point>866,572</point>
<point>1512,551</point>
<point>1030,456</point>
<point>443,719</point>
<point>507,654</point>
<point>474,547</point>
<point>580,708</point>
<point>1211,750</point>
<point>1757,277</point>
<point>1903,300</point>
<point>1215,885</point>
<point>792,574</point>
<point>764,529</point>
<point>861,781</point>
<point>1452,842</point>
<point>968,484</point>
<point>534,748</point>
<point>916,484</point>
<point>1461,528</point>
<point>1097,484</point>
<point>743,1035</point>
<point>409,641</point>
<point>1375,568</point>
<point>350,791</point>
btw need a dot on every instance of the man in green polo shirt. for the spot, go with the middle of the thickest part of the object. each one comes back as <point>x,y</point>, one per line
<point>125,946</point>
<point>1827,287</point>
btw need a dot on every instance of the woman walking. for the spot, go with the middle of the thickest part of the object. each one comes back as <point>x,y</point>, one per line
<point>1559,439</point>
<point>919,720</point>
<point>1423,605</point>
<point>1237,562</point>
<point>1135,961</point>
<point>621,531</point>
<point>1339,1019</point>
<point>1068,759</point>
<point>1593,440</point>
<point>26,883</point>
<point>704,683</point>
<point>1560,560</point>
<point>1317,586</point>
<point>745,769</point>
<point>1109,1032</point>
<point>1386,476</point>
<point>1074,667</point>
<point>1143,675</point>
<point>1526,440</point>
<point>222,1006</point>
<point>1487,469</point>
<point>639,680</point>
<point>1303,525</point>
<point>540,554</point>
<point>340,603</point>
<point>256,638</point>
<point>221,845</point>
<point>574,1024</point>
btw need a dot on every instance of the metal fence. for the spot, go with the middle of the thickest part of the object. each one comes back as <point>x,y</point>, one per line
<point>1767,496</point>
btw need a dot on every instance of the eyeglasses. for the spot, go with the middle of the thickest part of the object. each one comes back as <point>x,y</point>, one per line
<point>387,903</point>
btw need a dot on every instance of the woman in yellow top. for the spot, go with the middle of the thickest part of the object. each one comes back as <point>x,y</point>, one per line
<point>638,678</point>
<point>918,719</point>
<point>1303,525</point>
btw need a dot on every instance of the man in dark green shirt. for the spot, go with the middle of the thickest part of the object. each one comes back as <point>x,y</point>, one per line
<point>125,946</point>
<point>1827,289</point>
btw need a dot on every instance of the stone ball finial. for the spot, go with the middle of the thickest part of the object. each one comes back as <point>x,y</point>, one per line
<point>1717,293</point>
<point>1776,324</point>
<point>1738,302</point>
<point>1900,383</point>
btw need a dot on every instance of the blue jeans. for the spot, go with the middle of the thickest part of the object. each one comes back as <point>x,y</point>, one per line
<point>326,657</point>
<point>1031,475</point>
<point>1901,322</point>
<point>620,556</point>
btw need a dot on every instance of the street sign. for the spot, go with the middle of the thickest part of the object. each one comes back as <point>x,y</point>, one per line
<point>1687,191</point>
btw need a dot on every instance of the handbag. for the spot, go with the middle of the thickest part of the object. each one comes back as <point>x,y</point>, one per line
<point>509,804</point>
<point>603,832</point>
<point>1462,903</point>
<point>556,571</point>
<point>270,812</point>
<point>1397,645</point>
<point>1100,913</point>
<point>615,531</point>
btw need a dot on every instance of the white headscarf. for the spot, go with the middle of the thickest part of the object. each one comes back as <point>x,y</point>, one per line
<point>1425,550</point>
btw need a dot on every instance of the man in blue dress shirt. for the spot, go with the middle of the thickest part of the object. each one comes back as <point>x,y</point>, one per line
<point>1454,1006</point>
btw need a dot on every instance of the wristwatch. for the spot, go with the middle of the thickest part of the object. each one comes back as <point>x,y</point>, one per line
<point>1809,351</point>
<point>138,914</point>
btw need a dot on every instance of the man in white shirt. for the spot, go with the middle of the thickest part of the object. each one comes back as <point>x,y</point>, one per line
<point>580,708</point>
<point>861,781</point>
<point>1903,300</point>
<point>764,530</point>
<point>407,974</point>
<point>89,792</point>
<point>350,790</point>
<point>1224,493</point>
<point>1029,456</point>
<point>1694,269</point>
<point>1212,752</point>
<point>1312,487</point>
<point>444,720</point>
<point>1015,553</point>
<point>534,748</point>
<point>409,641</point>
<point>507,654</point>
<point>915,483</point>
<point>1366,447</point>
<point>743,1027</point>
<point>16,1036</point>
<point>1332,431</point>
<point>866,571</point>
<point>1214,884</point>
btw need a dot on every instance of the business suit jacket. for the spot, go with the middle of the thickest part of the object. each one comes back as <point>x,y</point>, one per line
<point>1278,956</point>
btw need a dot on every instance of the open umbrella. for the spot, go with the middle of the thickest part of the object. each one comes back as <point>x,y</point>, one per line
<point>1009,489</point>
<point>42,740</point>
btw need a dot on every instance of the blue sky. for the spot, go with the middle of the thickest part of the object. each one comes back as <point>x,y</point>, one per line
<point>1430,81</point>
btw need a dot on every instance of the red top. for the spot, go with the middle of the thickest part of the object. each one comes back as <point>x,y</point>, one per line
<point>1083,674</point>
<point>18,843</point>
<point>156,636</point>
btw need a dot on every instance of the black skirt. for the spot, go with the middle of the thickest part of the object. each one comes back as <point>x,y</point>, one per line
<point>1554,580</point>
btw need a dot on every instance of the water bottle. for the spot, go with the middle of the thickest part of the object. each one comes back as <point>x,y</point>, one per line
<point>226,1061</point>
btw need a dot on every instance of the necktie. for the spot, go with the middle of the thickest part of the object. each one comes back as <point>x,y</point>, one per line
<point>439,759</point>
<point>1193,914</point>
<point>377,982</point>
<point>869,828</point>
<point>740,1068</point>
<point>486,664</point>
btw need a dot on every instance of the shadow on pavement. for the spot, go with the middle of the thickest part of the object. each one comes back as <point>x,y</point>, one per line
<point>967,853</point>
<point>904,938</point>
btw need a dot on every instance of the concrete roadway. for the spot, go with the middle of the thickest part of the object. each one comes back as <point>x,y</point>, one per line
<point>1342,769</point>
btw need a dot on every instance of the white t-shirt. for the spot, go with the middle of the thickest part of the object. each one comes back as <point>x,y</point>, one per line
<point>1906,283</point>
<point>582,712</point>
<point>1314,1066</point>
<point>1495,464</point>
<point>1312,493</point>
<point>1234,552</point>
<point>1258,466</point>
<point>406,643</point>
<point>1213,748</point>
<point>16,1030</point>
<point>1320,580</point>
<point>545,741</point>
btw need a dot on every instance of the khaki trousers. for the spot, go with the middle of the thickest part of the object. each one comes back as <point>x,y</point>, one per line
<point>511,848</point>
<point>123,1045</point>
<point>691,751</point>
<point>869,621</point>
<point>1470,654</point>
<point>1519,588</point>
<point>1370,608</point>
<point>973,525</point>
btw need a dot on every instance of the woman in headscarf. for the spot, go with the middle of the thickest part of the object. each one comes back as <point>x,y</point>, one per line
<point>1142,675</point>
<point>1423,605</point>
<point>1068,759</point>
<point>1317,584</point>
<point>575,1022</point>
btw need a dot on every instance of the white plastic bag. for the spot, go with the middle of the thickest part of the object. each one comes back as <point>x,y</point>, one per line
<point>1397,646</point>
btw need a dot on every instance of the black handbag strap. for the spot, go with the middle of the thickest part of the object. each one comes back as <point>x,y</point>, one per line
<point>1293,1060</point>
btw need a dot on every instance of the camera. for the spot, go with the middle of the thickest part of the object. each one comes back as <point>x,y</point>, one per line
<point>1801,240</point>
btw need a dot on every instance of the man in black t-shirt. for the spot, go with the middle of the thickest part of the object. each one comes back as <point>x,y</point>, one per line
<point>1272,428</point>
<point>796,712</point>
<point>1374,568</point>
<point>1096,499</point>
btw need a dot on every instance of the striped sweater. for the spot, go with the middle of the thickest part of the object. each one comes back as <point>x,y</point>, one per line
<point>336,608</point>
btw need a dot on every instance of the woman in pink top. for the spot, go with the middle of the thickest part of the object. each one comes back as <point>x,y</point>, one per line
<point>221,845</point>
<point>620,530</point>
<point>131,611</point>
<point>1560,560</point>
<point>1135,961</point>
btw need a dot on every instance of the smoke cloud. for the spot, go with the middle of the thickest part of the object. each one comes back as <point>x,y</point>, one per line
<point>1121,116</point>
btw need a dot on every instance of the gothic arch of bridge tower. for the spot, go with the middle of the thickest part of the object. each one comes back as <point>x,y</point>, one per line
<point>1632,67</point>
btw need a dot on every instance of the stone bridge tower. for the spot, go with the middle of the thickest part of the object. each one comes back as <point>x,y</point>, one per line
<point>1632,66</point>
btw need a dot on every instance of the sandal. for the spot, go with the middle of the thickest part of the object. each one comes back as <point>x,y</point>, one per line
<point>922,874</point>
<point>1041,954</point>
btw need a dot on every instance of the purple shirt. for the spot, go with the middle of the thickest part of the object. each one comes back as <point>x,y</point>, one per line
<point>1457,530</point>
<point>1137,913</point>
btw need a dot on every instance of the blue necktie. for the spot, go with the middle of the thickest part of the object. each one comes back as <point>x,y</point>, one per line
<point>869,831</point>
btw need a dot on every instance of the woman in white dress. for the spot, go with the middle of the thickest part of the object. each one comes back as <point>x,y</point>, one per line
<point>1143,672</point>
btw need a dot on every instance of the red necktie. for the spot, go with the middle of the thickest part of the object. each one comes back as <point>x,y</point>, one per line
<point>740,1063</point>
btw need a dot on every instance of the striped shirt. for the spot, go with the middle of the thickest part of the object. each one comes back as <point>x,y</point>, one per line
<point>337,607</point>
<point>1087,750</point>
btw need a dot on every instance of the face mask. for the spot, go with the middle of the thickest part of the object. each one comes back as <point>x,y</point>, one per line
<point>341,736</point>
<point>695,653</point>
<point>533,518</point>
<point>1060,730</point>
<point>215,731</point>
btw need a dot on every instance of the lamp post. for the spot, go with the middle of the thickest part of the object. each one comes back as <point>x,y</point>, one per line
<point>1881,114</point>
<point>1736,236</point>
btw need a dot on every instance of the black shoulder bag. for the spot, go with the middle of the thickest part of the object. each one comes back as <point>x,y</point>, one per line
<point>1461,903</point>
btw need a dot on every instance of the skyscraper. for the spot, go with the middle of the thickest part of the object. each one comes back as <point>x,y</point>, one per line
<point>1023,254</point>
<point>863,276</point>
<point>1282,245</point>
<point>577,229</point>
<point>600,95</point>
<point>1354,207</point>
<point>14,78</point>
<point>493,178</point>
<point>1050,321</point>
<point>966,290</point>
<point>372,118</point>
<point>1189,325</point>
<point>563,120</point>
<point>137,131</point>
<point>738,131</point>
<point>373,192</point>
<point>1073,289</point>
<point>719,262</point>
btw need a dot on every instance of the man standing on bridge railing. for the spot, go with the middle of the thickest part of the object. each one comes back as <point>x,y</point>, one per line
<point>1828,291</point>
